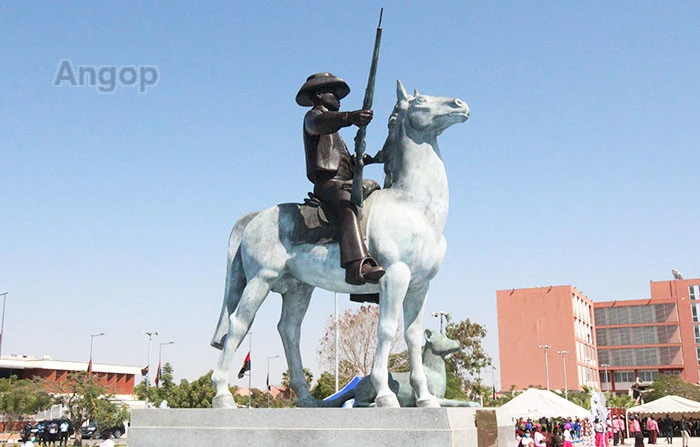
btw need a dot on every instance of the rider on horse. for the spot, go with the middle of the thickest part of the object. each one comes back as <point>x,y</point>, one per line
<point>329,166</point>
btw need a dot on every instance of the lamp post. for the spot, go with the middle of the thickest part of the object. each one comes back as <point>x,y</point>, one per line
<point>160,357</point>
<point>92,338</point>
<point>546,363</point>
<point>2,325</point>
<point>607,377</point>
<point>268,378</point>
<point>493,382</point>
<point>563,361</point>
<point>148,363</point>
<point>442,315</point>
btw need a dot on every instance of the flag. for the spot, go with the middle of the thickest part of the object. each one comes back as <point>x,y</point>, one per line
<point>90,367</point>
<point>157,375</point>
<point>268,381</point>
<point>144,371</point>
<point>494,391</point>
<point>245,367</point>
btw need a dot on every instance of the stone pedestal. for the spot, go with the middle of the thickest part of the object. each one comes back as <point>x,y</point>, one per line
<point>307,427</point>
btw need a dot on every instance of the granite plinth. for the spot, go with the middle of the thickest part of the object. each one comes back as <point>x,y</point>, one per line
<point>307,427</point>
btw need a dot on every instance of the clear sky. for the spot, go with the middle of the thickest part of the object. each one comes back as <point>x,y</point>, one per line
<point>579,164</point>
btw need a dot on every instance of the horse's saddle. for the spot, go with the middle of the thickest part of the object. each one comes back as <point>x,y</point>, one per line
<point>316,222</point>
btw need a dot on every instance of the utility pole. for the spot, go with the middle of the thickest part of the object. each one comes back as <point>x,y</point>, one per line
<point>92,337</point>
<point>148,363</point>
<point>563,361</point>
<point>2,325</point>
<point>546,363</point>
<point>442,315</point>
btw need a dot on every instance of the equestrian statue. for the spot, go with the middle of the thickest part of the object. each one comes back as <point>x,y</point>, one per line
<point>392,245</point>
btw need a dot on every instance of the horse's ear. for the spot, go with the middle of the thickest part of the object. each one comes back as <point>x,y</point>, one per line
<point>428,333</point>
<point>401,94</point>
<point>415,92</point>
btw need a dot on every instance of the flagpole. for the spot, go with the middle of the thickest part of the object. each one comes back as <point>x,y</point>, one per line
<point>336,341</point>
<point>160,356</point>
<point>250,370</point>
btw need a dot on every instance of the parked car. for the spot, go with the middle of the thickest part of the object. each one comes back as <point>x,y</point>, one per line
<point>93,431</point>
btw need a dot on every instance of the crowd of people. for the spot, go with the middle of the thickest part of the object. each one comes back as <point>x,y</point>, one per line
<point>568,432</point>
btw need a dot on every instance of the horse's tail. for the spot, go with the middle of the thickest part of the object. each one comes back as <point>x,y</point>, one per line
<point>235,280</point>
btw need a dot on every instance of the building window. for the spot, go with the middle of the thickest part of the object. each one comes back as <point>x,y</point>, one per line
<point>695,307</point>
<point>697,334</point>
<point>624,376</point>
<point>648,375</point>
<point>697,351</point>
<point>694,292</point>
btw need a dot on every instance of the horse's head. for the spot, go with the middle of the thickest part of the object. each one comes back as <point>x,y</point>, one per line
<point>439,344</point>
<point>428,115</point>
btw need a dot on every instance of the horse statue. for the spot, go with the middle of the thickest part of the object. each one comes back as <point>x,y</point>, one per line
<point>405,223</point>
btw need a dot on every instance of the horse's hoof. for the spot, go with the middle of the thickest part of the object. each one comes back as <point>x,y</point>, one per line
<point>223,401</point>
<point>431,402</point>
<point>388,401</point>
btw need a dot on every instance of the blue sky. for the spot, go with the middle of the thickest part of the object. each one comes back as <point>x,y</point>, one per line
<point>579,164</point>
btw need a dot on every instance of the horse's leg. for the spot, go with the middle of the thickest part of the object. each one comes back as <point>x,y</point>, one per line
<point>253,296</point>
<point>295,302</point>
<point>413,306</point>
<point>394,285</point>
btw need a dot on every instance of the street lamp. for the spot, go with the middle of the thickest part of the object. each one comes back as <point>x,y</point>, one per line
<point>268,378</point>
<point>607,377</point>
<point>563,361</point>
<point>546,363</point>
<point>148,363</point>
<point>160,356</point>
<point>493,381</point>
<point>442,315</point>
<point>2,325</point>
<point>92,337</point>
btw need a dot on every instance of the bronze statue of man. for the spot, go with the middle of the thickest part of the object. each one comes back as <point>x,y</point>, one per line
<point>329,166</point>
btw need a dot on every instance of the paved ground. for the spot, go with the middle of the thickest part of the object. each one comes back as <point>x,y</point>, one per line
<point>661,442</point>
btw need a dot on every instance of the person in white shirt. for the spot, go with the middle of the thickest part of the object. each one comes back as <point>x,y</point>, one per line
<point>29,443</point>
<point>527,441</point>
<point>108,442</point>
<point>539,437</point>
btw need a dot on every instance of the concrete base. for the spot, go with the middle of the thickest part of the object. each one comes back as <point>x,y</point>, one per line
<point>310,427</point>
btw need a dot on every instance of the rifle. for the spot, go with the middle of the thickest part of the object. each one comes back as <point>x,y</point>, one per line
<point>362,131</point>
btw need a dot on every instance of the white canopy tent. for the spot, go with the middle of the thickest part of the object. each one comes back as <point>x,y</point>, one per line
<point>672,405</point>
<point>535,403</point>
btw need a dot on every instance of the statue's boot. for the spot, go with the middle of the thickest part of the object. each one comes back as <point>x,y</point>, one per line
<point>360,267</point>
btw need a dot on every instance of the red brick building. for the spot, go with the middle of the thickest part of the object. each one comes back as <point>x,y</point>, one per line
<point>119,379</point>
<point>609,345</point>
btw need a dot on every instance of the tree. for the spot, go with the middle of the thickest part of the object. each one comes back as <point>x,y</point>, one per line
<point>357,343</point>
<point>165,391</point>
<point>84,397</point>
<point>325,386</point>
<point>197,394</point>
<point>308,375</point>
<point>466,364</point>
<point>21,397</point>
<point>672,385</point>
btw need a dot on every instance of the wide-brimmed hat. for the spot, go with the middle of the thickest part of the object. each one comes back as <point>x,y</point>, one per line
<point>321,81</point>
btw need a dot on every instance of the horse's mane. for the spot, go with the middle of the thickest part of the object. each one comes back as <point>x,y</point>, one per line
<point>388,153</point>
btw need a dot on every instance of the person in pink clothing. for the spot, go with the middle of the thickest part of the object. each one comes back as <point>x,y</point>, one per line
<point>653,429</point>
<point>568,439</point>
